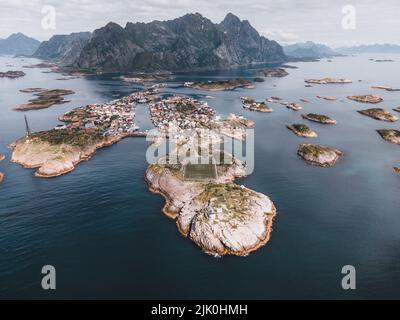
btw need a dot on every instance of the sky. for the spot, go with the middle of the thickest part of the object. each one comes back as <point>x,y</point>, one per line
<point>336,23</point>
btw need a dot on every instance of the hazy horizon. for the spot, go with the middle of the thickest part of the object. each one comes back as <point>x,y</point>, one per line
<point>286,21</point>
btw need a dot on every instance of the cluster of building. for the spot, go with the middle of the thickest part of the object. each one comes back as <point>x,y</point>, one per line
<point>111,118</point>
<point>182,112</point>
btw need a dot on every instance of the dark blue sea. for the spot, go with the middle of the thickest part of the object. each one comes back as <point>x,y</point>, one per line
<point>106,235</point>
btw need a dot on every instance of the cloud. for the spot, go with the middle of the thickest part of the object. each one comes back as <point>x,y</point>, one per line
<point>281,20</point>
<point>280,35</point>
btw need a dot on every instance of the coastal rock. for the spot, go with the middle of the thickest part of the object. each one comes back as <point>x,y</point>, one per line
<point>294,106</point>
<point>319,155</point>
<point>397,109</point>
<point>318,118</point>
<point>2,157</point>
<point>390,135</point>
<point>369,98</point>
<point>273,73</point>
<point>302,130</point>
<point>396,169</point>
<point>12,74</point>
<point>253,105</point>
<point>220,217</point>
<point>379,114</point>
<point>328,81</point>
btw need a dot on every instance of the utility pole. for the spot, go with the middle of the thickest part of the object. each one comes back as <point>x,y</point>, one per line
<point>28,130</point>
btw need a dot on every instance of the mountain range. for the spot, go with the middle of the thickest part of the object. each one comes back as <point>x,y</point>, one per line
<point>18,44</point>
<point>371,48</point>
<point>191,42</point>
<point>309,49</point>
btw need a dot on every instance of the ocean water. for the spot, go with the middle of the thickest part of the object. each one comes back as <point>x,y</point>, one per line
<point>105,233</point>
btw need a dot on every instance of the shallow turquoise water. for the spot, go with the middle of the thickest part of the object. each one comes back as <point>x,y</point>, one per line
<point>106,236</point>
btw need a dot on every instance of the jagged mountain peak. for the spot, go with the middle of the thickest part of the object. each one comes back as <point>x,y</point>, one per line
<point>230,17</point>
<point>19,44</point>
<point>189,42</point>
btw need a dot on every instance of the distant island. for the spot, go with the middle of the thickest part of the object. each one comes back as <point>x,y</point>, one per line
<point>220,85</point>
<point>45,98</point>
<point>12,74</point>
<point>309,50</point>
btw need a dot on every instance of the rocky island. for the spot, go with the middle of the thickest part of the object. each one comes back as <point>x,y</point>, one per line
<point>319,155</point>
<point>318,118</point>
<point>45,98</point>
<point>379,114</point>
<point>57,152</point>
<point>396,169</point>
<point>12,74</point>
<point>294,106</point>
<point>369,98</point>
<point>328,81</point>
<point>219,216</point>
<point>142,78</point>
<point>327,98</point>
<point>392,136</point>
<point>253,105</point>
<point>385,88</point>
<point>273,73</point>
<point>220,85</point>
<point>302,130</point>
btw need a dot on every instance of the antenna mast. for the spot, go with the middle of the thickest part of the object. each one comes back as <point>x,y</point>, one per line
<point>28,130</point>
